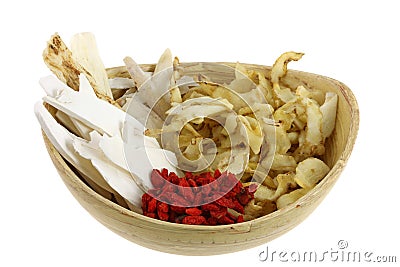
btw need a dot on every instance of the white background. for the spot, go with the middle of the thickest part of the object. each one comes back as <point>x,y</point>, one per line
<point>355,42</point>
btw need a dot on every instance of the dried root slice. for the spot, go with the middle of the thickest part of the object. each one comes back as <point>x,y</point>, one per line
<point>65,66</point>
<point>136,72</point>
<point>255,209</point>
<point>85,52</point>
<point>278,71</point>
<point>59,59</point>
<point>290,198</point>
<point>328,110</point>
<point>310,171</point>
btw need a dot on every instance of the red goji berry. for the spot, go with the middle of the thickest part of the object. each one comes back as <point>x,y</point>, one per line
<point>186,195</point>
<point>188,175</point>
<point>193,211</point>
<point>218,213</point>
<point>230,194</point>
<point>206,189</point>
<point>152,205</point>
<point>178,209</point>
<point>237,206</point>
<point>164,173</point>
<point>174,178</point>
<point>198,199</point>
<point>166,197</point>
<point>177,200</point>
<point>168,187</point>
<point>195,220</point>
<point>237,188</point>
<point>145,200</point>
<point>163,207</point>
<point>225,202</point>
<point>183,182</point>
<point>244,199</point>
<point>193,184</point>
<point>164,216</point>
<point>210,207</point>
<point>157,179</point>
<point>215,185</point>
<point>225,220</point>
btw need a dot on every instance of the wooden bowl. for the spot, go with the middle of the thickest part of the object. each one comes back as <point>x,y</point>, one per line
<point>209,240</point>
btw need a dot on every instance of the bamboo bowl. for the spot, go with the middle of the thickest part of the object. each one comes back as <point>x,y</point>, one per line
<point>209,240</point>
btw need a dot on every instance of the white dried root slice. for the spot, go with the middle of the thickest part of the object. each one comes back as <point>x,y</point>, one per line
<point>54,88</point>
<point>66,121</point>
<point>137,160</point>
<point>73,125</point>
<point>254,132</point>
<point>267,153</point>
<point>121,83</point>
<point>84,131</point>
<point>62,140</point>
<point>184,83</point>
<point>286,114</point>
<point>328,111</point>
<point>135,71</point>
<point>310,171</point>
<point>105,118</point>
<point>241,83</point>
<point>154,93</point>
<point>240,148</point>
<point>175,92</point>
<point>141,112</point>
<point>242,92</point>
<point>285,183</point>
<point>283,163</point>
<point>180,84</point>
<point>119,179</point>
<point>84,106</point>
<point>311,141</point>
<point>265,86</point>
<point>195,108</point>
<point>85,52</point>
<point>314,122</point>
<point>134,137</point>
<point>291,197</point>
<point>283,143</point>
<point>264,193</point>
<point>278,71</point>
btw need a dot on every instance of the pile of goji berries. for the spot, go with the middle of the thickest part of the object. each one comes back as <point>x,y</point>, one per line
<point>196,199</point>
